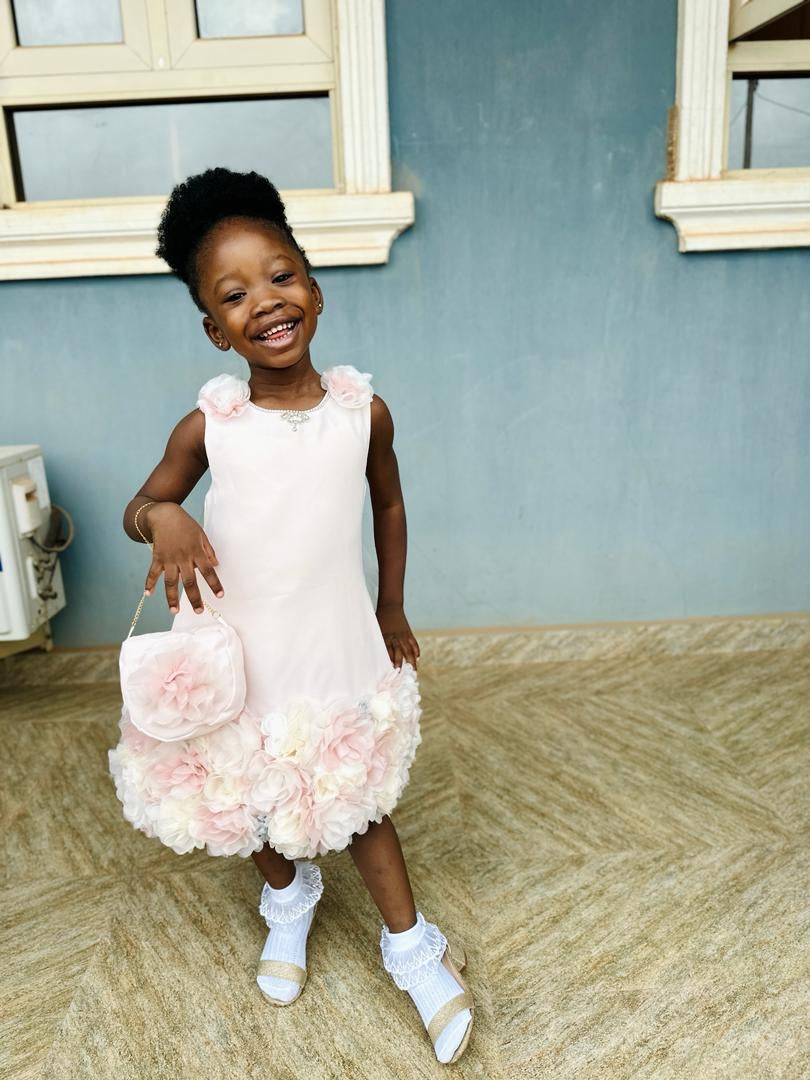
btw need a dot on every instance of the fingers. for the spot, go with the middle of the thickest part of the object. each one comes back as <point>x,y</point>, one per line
<point>171,577</point>
<point>394,650</point>
<point>192,587</point>
<point>213,581</point>
<point>155,570</point>
<point>411,651</point>
<point>192,591</point>
<point>209,552</point>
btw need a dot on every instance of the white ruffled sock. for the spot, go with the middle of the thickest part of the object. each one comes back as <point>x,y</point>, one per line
<point>288,913</point>
<point>413,959</point>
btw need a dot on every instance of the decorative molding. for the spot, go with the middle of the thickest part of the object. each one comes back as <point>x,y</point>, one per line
<point>69,240</point>
<point>363,95</point>
<point>739,212</point>
<point>700,88</point>
<point>713,209</point>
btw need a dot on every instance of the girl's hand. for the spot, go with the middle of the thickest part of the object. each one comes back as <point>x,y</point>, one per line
<point>179,548</point>
<point>397,635</point>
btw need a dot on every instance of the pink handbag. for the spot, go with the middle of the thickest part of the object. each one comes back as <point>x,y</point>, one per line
<point>178,684</point>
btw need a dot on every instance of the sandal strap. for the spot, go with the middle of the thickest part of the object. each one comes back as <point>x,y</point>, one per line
<point>281,969</point>
<point>446,1013</point>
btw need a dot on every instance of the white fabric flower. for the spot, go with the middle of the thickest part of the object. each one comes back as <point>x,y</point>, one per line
<point>173,821</point>
<point>295,734</point>
<point>224,396</point>
<point>347,385</point>
<point>231,747</point>
<point>224,792</point>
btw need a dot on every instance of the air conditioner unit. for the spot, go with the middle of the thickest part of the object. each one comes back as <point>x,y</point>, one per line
<point>31,589</point>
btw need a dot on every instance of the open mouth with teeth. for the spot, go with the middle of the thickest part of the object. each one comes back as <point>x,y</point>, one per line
<point>276,335</point>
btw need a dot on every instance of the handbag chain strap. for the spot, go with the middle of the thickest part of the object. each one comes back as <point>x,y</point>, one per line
<point>139,608</point>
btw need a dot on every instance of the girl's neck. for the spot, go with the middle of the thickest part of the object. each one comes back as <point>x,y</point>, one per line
<point>291,385</point>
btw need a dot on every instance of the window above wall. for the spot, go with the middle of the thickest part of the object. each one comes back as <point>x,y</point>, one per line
<point>107,103</point>
<point>738,171</point>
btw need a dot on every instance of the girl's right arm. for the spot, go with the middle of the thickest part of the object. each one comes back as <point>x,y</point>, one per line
<point>179,545</point>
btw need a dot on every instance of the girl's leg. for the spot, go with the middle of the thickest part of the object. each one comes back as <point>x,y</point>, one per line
<point>412,948</point>
<point>277,871</point>
<point>378,856</point>
<point>288,902</point>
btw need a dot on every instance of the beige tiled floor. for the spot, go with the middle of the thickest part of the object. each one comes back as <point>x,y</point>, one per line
<point>620,842</point>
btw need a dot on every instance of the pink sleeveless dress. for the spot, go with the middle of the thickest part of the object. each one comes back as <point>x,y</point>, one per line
<point>330,726</point>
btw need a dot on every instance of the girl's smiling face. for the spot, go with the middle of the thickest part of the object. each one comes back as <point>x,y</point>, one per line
<point>258,295</point>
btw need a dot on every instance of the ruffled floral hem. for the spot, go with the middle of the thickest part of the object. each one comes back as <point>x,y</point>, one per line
<point>279,913</point>
<point>304,780</point>
<point>409,967</point>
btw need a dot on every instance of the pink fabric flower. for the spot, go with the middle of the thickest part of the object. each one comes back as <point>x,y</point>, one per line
<point>179,771</point>
<point>224,396</point>
<point>347,385</point>
<point>347,743</point>
<point>226,832</point>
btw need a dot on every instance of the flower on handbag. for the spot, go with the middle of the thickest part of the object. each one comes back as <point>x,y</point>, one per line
<point>347,385</point>
<point>224,396</point>
<point>173,690</point>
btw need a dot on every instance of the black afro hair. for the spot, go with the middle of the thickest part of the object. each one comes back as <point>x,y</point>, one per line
<point>200,202</point>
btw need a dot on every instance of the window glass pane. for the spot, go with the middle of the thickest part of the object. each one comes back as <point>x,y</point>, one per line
<point>67,22</point>
<point>101,151</point>
<point>249,18</point>
<point>769,125</point>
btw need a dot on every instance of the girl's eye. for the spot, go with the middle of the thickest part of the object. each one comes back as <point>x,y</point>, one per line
<point>281,277</point>
<point>233,296</point>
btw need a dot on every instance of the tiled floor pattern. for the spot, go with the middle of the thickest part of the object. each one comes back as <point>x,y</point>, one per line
<point>621,843</point>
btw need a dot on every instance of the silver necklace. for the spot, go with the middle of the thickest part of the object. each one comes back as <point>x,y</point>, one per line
<point>294,417</point>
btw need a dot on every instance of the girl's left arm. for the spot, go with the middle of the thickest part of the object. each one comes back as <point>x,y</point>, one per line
<point>390,536</point>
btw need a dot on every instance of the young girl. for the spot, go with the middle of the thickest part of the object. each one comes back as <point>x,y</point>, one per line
<point>320,755</point>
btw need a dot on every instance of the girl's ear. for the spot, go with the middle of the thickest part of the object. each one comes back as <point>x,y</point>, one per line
<point>215,335</point>
<point>317,295</point>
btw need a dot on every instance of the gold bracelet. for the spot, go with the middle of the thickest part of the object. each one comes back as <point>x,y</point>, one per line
<point>137,526</point>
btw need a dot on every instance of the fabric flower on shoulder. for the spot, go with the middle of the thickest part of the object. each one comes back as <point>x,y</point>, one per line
<point>224,396</point>
<point>347,385</point>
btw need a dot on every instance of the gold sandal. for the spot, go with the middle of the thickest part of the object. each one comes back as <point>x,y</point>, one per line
<point>454,959</point>
<point>282,969</point>
<point>275,913</point>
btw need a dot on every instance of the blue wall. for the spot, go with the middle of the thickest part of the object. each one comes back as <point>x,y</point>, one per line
<point>590,426</point>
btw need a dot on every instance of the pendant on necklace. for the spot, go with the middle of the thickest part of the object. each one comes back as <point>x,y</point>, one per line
<point>294,417</point>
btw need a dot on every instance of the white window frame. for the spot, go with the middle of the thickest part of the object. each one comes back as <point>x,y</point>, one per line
<point>714,208</point>
<point>352,225</point>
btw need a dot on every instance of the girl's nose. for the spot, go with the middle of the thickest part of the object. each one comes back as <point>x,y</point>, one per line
<point>265,305</point>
